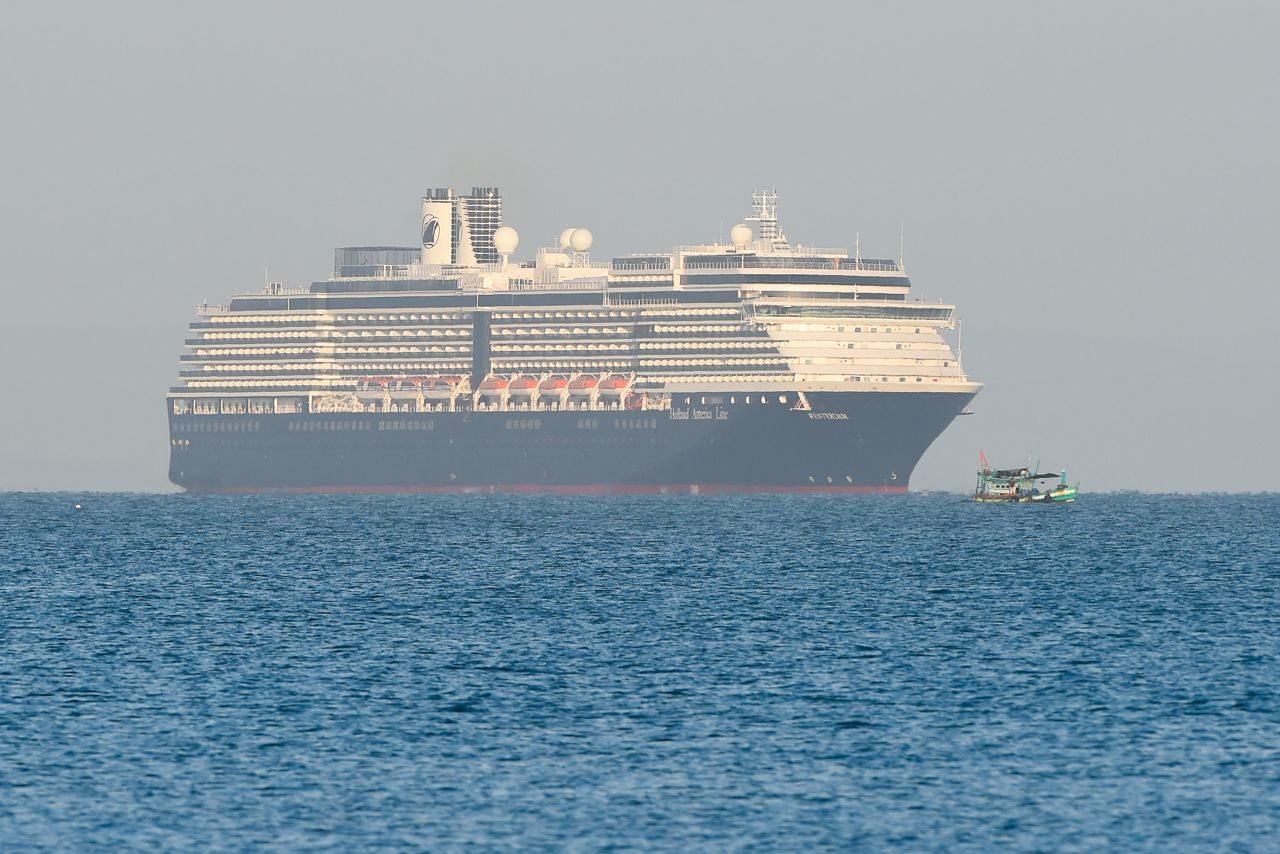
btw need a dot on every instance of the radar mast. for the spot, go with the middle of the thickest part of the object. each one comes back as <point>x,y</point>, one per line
<point>765,203</point>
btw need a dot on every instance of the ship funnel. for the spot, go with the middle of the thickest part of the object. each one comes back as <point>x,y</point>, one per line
<point>437,227</point>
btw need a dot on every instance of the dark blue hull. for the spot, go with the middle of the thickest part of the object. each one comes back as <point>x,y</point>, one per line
<point>847,442</point>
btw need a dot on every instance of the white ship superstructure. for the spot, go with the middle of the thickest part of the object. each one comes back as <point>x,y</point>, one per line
<point>752,314</point>
<point>459,325</point>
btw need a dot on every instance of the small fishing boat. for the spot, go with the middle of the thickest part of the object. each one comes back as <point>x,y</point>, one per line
<point>1020,486</point>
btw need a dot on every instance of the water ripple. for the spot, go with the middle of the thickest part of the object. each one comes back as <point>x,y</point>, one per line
<point>676,673</point>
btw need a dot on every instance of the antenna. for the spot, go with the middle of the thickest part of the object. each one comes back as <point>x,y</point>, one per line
<point>857,247</point>
<point>765,203</point>
<point>902,239</point>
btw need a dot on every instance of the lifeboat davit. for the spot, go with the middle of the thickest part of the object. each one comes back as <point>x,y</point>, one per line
<point>440,383</point>
<point>614,385</point>
<point>523,386</point>
<point>553,385</point>
<point>494,385</point>
<point>583,385</point>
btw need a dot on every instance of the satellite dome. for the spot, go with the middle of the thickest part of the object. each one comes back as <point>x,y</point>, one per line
<point>580,240</point>
<point>505,240</point>
<point>565,236</point>
<point>740,234</point>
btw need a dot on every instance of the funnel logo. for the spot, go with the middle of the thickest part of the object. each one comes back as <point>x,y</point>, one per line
<point>430,231</point>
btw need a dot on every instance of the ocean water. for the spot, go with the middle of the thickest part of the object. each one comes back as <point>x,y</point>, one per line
<point>694,673</point>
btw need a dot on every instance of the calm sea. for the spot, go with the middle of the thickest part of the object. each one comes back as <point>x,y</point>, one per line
<point>744,673</point>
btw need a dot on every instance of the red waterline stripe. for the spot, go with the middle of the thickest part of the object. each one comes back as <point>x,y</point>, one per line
<point>557,489</point>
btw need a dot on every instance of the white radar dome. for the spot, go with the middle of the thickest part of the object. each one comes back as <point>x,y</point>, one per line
<point>505,240</point>
<point>740,234</point>
<point>565,236</point>
<point>580,240</point>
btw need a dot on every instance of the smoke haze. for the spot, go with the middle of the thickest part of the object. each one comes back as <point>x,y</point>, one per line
<point>1094,185</point>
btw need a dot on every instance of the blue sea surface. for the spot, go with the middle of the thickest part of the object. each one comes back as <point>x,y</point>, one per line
<point>744,673</point>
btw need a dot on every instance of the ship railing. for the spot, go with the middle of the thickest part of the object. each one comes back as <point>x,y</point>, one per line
<point>613,302</point>
<point>633,403</point>
<point>641,265</point>
<point>642,402</point>
<point>877,266</point>
<point>844,265</point>
<point>593,284</point>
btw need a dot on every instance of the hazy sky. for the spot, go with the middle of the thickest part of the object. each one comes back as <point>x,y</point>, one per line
<point>1094,185</point>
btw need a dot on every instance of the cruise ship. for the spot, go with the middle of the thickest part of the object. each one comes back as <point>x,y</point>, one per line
<point>752,365</point>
